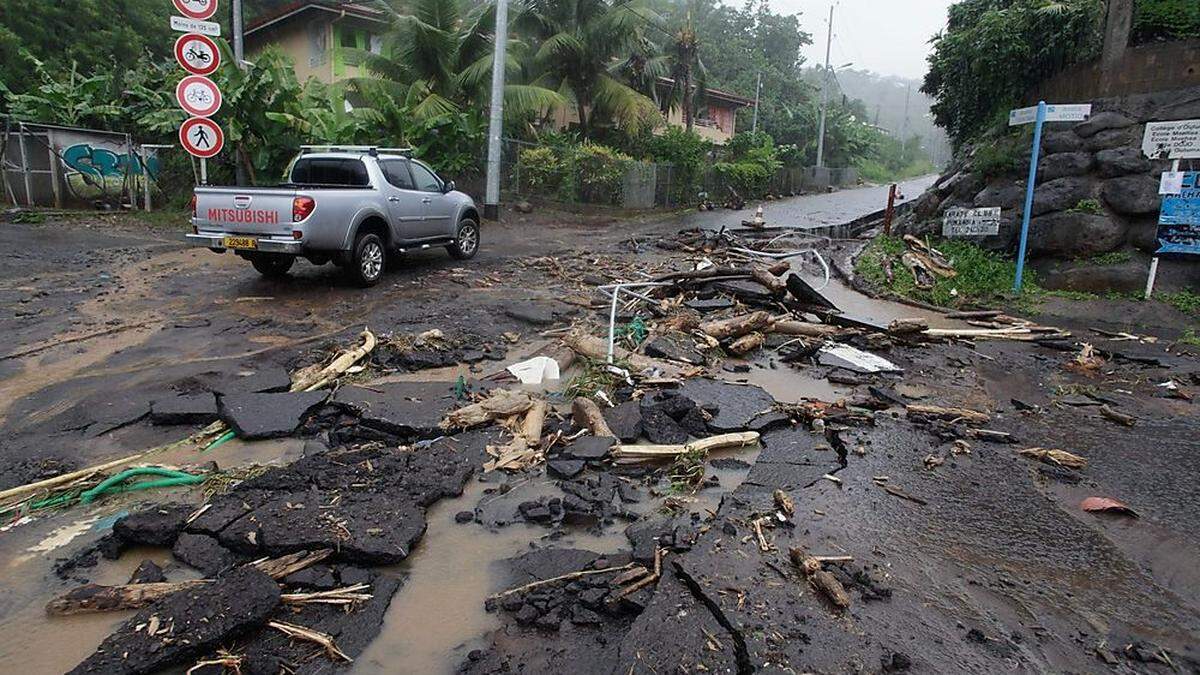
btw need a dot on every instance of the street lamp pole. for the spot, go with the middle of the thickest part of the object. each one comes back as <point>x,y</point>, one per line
<point>491,202</point>
<point>757,94</point>
<point>824,93</point>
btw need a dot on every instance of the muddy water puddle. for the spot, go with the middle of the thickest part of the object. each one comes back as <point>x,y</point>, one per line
<point>438,616</point>
<point>788,384</point>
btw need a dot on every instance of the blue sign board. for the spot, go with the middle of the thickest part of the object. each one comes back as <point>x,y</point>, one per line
<point>1179,221</point>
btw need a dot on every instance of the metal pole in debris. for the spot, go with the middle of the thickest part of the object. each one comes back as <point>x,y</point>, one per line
<point>491,202</point>
<point>824,93</point>
<point>757,93</point>
<point>1029,187</point>
<point>1154,261</point>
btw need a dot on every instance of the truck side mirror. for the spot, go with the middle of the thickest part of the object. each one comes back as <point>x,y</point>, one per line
<point>448,186</point>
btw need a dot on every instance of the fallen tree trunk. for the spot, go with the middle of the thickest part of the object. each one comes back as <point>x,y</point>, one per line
<point>649,453</point>
<point>946,413</point>
<point>737,326</point>
<point>96,598</point>
<point>591,347</point>
<point>907,326</point>
<point>805,329</point>
<point>771,282</point>
<point>587,414</point>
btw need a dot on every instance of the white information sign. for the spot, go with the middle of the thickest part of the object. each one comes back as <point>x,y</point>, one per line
<point>1172,183</point>
<point>183,25</point>
<point>1075,112</point>
<point>960,222</point>
<point>1172,140</point>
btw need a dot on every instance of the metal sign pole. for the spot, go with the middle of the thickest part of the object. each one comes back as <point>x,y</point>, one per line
<point>203,171</point>
<point>491,202</point>
<point>1154,261</point>
<point>1033,167</point>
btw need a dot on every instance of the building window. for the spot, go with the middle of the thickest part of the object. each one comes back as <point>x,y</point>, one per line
<point>375,44</point>
<point>317,44</point>
<point>349,39</point>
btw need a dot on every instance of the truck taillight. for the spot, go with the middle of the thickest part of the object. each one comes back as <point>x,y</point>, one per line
<point>192,204</point>
<point>302,207</point>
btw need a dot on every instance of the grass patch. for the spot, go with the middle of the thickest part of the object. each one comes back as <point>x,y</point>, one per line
<point>874,171</point>
<point>1110,258</point>
<point>1186,301</point>
<point>983,276</point>
<point>1091,206</point>
<point>595,376</point>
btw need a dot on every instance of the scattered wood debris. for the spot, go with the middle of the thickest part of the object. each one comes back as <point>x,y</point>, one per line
<point>647,453</point>
<point>1116,416</point>
<point>309,635</point>
<point>948,413</point>
<point>823,581</point>
<point>1056,457</point>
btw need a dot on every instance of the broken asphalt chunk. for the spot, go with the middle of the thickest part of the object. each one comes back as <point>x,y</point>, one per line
<point>185,409</point>
<point>257,416</point>
<point>401,408</point>
<point>186,624</point>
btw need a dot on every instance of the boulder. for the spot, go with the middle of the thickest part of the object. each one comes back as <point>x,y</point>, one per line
<point>255,416</point>
<point>1074,234</point>
<point>1005,193</point>
<point>1061,141</point>
<point>1115,138</point>
<point>1061,194</point>
<point>1064,164</point>
<point>189,623</point>
<point>1121,162</point>
<point>1132,195</point>
<point>1127,277</point>
<point>1143,234</point>
<point>1101,122</point>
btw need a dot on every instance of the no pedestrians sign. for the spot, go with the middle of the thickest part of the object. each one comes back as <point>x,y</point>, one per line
<point>201,137</point>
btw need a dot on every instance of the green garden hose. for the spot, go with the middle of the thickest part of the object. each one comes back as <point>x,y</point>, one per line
<point>114,484</point>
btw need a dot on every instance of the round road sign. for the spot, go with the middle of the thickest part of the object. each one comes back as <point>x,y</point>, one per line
<point>198,95</point>
<point>198,54</point>
<point>196,9</point>
<point>201,137</point>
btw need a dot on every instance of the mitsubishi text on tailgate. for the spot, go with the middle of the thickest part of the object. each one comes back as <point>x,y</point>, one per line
<point>352,206</point>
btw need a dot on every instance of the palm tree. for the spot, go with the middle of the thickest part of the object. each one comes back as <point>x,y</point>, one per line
<point>436,61</point>
<point>577,45</point>
<point>687,70</point>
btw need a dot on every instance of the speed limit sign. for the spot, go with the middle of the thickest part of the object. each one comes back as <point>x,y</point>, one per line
<point>198,54</point>
<point>198,95</point>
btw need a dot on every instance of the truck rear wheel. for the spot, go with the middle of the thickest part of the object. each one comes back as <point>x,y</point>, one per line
<point>368,260</point>
<point>466,240</point>
<point>272,265</point>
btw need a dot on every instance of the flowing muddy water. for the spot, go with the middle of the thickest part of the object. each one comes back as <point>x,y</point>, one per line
<point>438,616</point>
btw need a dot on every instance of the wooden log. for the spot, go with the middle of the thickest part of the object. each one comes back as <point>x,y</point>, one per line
<point>907,326</point>
<point>948,413</point>
<point>779,268</point>
<point>1118,417</point>
<point>587,414</point>
<point>311,380</point>
<point>737,326</point>
<point>564,356</point>
<point>591,347</point>
<point>805,329</point>
<point>531,428</point>
<point>648,453</point>
<point>823,581</point>
<point>976,314</point>
<point>769,281</point>
<point>93,598</point>
<point>747,343</point>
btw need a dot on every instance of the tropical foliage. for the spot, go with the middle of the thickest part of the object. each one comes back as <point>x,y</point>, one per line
<point>993,51</point>
<point>1166,20</point>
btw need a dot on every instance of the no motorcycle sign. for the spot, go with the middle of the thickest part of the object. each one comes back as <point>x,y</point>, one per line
<point>197,54</point>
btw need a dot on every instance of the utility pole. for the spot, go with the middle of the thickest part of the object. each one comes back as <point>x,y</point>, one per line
<point>824,93</point>
<point>904,125</point>
<point>757,93</point>
<point>239,58</point>
<point>491,201</point>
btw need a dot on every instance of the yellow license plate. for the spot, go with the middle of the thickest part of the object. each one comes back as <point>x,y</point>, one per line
<point>241,242</point>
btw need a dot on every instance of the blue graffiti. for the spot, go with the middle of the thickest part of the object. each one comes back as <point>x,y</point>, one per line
<point>102,162</point>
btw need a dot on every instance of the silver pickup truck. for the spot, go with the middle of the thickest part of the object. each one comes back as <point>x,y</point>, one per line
<point>350,206</point>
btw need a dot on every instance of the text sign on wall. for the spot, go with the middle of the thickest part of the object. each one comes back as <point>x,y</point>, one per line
<point>959,222</point>
<point>1075,112</point>
<point>1172,140</point>
<point>1179,221</point>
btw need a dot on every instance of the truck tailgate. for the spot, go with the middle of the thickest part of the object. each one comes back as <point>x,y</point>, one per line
<point>261,211</point>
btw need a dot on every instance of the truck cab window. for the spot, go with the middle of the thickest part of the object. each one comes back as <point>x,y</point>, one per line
<point>396,173</point>
<point>320,171</point>
<point>425,179</point>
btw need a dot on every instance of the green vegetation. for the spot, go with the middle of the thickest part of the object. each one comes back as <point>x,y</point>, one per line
<point>1186,301</point>
<point>994,51</point>
<point>1004,154</point>
<point>1190,338</point>
<point>1155,20</point>
<point>1091,206</point>
<point>983,276</point>
<point>1110,258</point>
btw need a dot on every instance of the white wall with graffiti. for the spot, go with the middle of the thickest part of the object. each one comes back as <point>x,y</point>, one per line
<point>63,167</point>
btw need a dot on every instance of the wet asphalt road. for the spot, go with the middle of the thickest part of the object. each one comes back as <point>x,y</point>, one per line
<point>811,211</point>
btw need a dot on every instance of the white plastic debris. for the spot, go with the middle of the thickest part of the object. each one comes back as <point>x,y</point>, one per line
<point>535,370</point>
<point>850,358</point>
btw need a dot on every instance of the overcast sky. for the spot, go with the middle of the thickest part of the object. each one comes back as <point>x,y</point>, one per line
<point>890,37</point>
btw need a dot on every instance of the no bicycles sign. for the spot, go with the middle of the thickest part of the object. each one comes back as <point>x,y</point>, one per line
<point>198,95</point>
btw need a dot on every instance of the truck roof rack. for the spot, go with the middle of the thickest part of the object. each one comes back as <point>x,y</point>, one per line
<point>369,149</point>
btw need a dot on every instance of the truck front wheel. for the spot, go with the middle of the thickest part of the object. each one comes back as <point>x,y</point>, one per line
<point>466,241</point>
<point>368,260</point>
<point>272,265</point>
